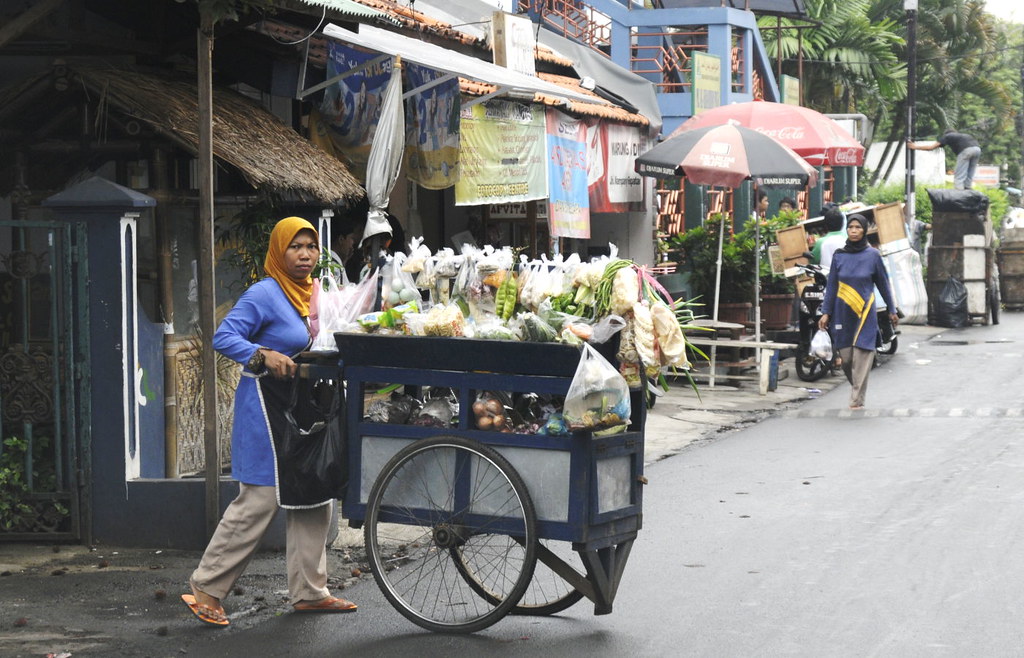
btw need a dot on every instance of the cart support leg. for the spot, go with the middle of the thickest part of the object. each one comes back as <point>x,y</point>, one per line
<point>604,570</point>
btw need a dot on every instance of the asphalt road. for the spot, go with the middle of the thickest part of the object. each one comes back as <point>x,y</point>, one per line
<point>895,531</point>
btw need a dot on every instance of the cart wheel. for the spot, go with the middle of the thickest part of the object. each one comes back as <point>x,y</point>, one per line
<point>437,495</point>
<point>548,593</point>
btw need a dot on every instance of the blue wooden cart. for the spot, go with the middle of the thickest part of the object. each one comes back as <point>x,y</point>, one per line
<point>463,526</point>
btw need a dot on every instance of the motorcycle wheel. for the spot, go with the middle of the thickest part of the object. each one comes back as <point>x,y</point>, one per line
<point>890,347</point>
<point>809,368</point>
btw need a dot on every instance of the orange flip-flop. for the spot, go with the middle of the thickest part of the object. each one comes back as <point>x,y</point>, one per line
<point>330,604</point>
<point>205,613</point>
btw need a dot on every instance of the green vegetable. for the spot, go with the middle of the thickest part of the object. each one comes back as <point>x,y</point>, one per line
<point>505,297</point>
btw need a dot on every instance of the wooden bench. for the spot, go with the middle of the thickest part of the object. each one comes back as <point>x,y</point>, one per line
<point>762,360</point>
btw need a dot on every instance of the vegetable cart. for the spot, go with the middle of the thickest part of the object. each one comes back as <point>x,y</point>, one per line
<point>463,526</point>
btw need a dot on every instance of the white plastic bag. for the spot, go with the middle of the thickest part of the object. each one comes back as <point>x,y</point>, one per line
<point>364,294</point>
<point>332,303</point>
<point>821,345</point>
<point>598,395</point>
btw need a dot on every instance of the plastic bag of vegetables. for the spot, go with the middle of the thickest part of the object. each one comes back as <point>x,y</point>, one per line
<point>598,396</point>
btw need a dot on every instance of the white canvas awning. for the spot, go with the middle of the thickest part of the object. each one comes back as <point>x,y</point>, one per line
<point>448,61</point>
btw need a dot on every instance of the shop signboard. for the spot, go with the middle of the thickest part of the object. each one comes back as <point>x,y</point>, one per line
<point>706,87</point>
<point>790,89</point>
<point>568,204</point>
<point>502,157</point>
<point>614,184</point>
<point>987,176</point>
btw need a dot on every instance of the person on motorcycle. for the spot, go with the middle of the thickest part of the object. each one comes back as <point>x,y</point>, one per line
<point>834,238</point>
<point>857,270</point>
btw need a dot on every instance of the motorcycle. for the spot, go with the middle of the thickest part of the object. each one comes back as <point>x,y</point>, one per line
<point>810,368</point>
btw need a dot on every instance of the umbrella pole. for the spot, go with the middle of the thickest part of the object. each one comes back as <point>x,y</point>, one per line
<point>714,313</point>
<point>757,279</point>
<point>757,292</point>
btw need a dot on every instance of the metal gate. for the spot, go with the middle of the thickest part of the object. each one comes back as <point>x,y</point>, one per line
<point>44,418</point>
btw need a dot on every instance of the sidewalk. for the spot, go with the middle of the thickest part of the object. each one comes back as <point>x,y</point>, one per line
<point>105,601</point>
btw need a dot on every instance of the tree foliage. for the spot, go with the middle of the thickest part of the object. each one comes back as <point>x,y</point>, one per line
<point>968,67</point>
<point>849,58</point>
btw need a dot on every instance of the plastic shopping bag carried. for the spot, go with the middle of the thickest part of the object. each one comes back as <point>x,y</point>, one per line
<point>821,345</point>
<point>598,396</point>
<point>332,300</point>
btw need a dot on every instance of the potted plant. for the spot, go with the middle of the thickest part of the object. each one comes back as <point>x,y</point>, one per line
<point>777,291</point>
<point>699,247</point>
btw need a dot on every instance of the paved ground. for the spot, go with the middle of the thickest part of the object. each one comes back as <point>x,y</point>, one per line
<point>103,600</point>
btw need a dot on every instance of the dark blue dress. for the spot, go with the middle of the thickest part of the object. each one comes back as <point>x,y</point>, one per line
<point>263,317</point>
<point>850,298</point>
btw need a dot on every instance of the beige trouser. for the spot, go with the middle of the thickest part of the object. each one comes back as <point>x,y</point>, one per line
<point>857,364</point>
<point>239,532</point>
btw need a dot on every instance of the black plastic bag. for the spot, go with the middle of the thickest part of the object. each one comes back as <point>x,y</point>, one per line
<point>308,432</point>
<point>951,306</point>
<point>946,200</point>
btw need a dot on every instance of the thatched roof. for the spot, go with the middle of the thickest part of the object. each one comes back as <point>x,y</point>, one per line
<point>268,153</point>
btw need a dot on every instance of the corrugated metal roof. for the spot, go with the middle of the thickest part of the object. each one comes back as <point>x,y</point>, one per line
<point>351,8</point>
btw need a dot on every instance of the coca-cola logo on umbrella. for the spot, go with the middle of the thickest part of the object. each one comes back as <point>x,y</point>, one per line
<point>844,156</point>
<point>783,134</point>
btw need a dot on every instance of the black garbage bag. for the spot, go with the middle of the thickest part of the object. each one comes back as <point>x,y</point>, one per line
<point>951,306</point>
<point>308,433</point>
<point>946,200</point>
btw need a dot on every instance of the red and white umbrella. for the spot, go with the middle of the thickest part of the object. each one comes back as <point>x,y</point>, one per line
<point>817,138</point>
<point>726,156</point>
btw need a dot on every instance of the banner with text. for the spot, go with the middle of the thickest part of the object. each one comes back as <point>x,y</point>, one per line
<point>350,109</point>
<point>502,154</point>
<point>614,184</point>
<point>432,129</point>
<point>568,205</point>
<point>706,82</point>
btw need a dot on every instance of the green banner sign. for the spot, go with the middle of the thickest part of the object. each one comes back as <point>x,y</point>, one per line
<point>706,87</point>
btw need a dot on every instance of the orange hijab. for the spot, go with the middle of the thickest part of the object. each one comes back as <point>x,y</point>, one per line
<point>298,291</point>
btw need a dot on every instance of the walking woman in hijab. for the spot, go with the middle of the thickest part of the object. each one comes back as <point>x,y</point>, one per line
<point>264,330</point>
<point>856,274</point>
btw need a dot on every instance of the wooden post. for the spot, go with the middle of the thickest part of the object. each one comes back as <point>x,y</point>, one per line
<point>206,271</point>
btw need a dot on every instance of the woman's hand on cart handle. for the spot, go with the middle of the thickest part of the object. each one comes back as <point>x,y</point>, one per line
<point>823,322</point>
<point>279,365</point>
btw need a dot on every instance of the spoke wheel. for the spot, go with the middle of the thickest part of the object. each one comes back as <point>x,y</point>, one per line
<point>548,593</point>
<point>441,495</point>
<point>809,368</point>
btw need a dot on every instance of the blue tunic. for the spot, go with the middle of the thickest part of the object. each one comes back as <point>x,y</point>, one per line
<point>850,298</point>
<point>263,317</point>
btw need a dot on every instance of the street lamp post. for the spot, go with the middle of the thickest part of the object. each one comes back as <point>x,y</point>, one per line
<point>911,8</point>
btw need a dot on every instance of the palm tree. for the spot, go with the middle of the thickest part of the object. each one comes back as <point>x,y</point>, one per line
<point>849,60</point>
<point>956,41</point>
